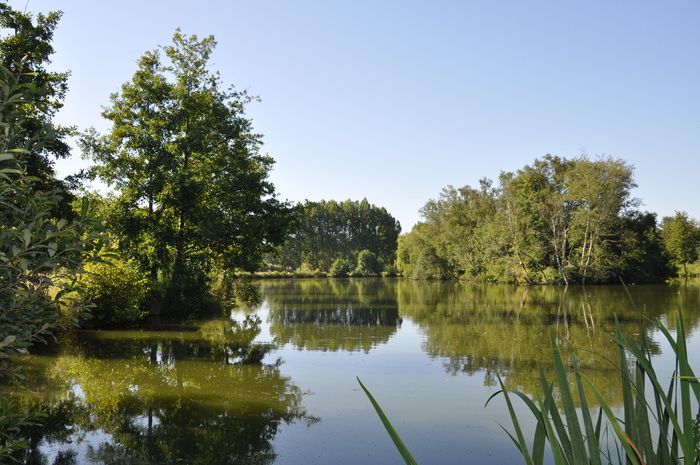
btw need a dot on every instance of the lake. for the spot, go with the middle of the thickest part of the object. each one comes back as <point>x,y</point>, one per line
<point>276,384</point>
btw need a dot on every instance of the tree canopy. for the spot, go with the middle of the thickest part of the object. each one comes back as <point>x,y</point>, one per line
<point>681,236</point>
<point>192,185</point>
<point>328,230</point>
<point>556,220</point>
<point>25,51</point>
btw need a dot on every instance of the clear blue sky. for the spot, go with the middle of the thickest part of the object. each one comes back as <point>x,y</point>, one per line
<point>393,100</point>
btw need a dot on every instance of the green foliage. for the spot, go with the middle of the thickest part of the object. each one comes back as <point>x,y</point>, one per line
<point>367,264</point>
<point>193,188</point>
<point>117,288</point>
<point>681,237</point>
<point>235,292</point>
<point>328,230</point>
<point>25,51</point>
<point>39,256</point>
<point>390,271</point>
<point>296,274</point>
<point>641,249</point>
<point>557,220</point>
<point>417,257</point>
<point>13,425</point>
<point>340,268</point>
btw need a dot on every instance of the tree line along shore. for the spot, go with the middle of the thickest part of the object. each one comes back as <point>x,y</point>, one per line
<point>191,208</point>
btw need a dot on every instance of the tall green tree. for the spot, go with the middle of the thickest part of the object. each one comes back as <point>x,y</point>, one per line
<point>25,50</point>
<point>193,187</point>
<point>599,191</point>
<point>555,220</point>
<point>643,257</point>
<point>418,258</point>
<point>329,230</point>
<point>681,236</point>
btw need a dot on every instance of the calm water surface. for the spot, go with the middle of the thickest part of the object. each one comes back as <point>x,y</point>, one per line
<point>278,386</point>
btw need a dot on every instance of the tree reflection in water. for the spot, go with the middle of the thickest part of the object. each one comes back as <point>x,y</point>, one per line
<point>210,395</point>
<point>332,314</point>
<point>486,329</point>
<point>196,397</point>
<point>504,330</point>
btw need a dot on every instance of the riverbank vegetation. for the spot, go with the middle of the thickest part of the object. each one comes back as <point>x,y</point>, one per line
<point>557,220</point>
<point>191,197</point>
<point>191,208</point>
<point>339,239</point>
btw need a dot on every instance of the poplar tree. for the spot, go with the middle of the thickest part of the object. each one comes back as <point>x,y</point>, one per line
<point>681,236</point>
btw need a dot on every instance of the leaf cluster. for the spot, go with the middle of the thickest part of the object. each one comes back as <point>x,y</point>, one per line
<point>557,220</point>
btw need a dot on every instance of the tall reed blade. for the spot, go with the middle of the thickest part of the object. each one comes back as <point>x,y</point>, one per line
<point>400,446</point>
<point>678,440</point>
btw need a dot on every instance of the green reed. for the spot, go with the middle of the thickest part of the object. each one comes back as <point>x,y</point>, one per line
<point>658,424</point>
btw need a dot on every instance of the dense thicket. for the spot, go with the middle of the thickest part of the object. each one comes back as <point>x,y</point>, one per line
<point>330,232</point>
<point>40,256</point>
<point>556,220</point>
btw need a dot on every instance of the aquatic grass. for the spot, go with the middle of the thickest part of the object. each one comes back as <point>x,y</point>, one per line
<point>658,425</point>
<point>400,446</point>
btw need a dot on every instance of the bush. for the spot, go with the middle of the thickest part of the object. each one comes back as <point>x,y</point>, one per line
<point>117,289</point>
<point>390,271</point>
<point>40,255</point>
<point>287,274</point>
<point>367,264</point>
<point>340,268</point>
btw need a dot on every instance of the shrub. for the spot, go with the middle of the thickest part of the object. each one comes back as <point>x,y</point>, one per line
<point>117,289</point>
<point>367,264</point>
<point>40,255</point>
<point>340,268</point>
<point>390,271</point>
